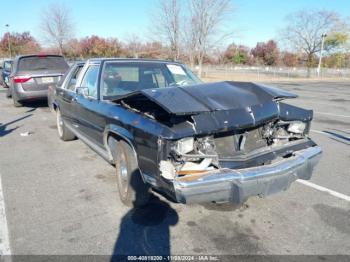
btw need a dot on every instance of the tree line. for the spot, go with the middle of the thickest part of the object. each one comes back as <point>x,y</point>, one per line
<point>194,31</point>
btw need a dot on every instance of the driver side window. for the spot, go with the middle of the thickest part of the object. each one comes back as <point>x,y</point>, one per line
<point>90,80</point>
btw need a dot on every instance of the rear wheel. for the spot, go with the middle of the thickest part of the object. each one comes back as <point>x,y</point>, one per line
<point>8,93</point>
<point>63,132</point>
<point>15,100</point>
<point>50,104</point>
<point>132,190</point>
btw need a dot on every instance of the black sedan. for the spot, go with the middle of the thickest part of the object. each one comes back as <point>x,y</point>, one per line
<point>164,129</point>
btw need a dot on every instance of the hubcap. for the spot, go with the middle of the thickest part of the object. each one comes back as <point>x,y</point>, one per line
<point>123,171</point>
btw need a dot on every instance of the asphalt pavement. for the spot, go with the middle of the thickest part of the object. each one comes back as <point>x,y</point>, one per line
<point>61,198</point>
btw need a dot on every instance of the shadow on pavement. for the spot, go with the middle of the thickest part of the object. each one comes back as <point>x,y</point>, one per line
<point>35,104</point>
<point>3,127</point>
<point>146,230</point>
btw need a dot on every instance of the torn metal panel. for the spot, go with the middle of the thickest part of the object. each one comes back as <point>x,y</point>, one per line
<point>291,113</point>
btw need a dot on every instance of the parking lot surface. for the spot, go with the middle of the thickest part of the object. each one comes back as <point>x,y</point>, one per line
<point>61,198</point>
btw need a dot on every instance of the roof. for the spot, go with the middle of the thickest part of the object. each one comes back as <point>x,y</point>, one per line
<point>102,59</point>
<point>40,54</point>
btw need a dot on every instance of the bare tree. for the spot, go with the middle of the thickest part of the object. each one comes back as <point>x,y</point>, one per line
<point>134,45</point>
<point>207,17</point>
<point>189,37</point>
<point>304,31</point>
<point>57,26</point>
<point>166,24</point>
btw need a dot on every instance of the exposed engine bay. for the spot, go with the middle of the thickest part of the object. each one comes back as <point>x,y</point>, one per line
<point>226,129</point>
<point>197,155</point>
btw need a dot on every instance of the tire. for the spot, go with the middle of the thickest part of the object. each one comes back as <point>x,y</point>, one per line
<point>16,103</point>
<point>63,132</point>
<point>132,190</point>
<point>8,93</point>
<point>50,104</point>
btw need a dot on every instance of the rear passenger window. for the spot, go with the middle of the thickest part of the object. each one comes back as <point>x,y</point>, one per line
<point>73,79</point>
<point>90,80</point>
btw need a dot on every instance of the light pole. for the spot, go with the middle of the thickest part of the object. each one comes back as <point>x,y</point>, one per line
<point>320,60</point>
<point>8,39</point>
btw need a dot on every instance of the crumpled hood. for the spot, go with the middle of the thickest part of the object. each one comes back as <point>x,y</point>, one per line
<point>211,97</point>
<point>221,106</point>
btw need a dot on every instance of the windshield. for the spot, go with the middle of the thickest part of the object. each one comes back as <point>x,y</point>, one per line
<point>119,79</point>
<point>35,63</point>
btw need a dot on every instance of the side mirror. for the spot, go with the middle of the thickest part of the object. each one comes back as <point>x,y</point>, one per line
<point>84,91</point>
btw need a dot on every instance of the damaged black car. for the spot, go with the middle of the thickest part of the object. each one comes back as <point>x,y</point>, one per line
<point>165,130</point>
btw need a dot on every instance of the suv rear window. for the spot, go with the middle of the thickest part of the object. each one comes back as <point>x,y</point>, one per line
<point>36,63</point>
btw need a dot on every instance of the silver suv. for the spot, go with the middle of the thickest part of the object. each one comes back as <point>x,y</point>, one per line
<point>32,75</point>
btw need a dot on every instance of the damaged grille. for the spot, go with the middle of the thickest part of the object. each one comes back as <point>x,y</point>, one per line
<point>229,145</point>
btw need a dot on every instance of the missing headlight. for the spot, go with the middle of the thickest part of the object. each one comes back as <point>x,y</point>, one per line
<point>297,127</point>
<point>185,145</point>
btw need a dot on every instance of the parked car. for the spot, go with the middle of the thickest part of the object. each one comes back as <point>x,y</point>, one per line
<point>5,72</point>
<point>32,74</point>
<point>164,129</point>
<point>67,82</point>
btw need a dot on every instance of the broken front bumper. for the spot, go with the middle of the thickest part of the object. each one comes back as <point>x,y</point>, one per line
<point>237,185</point>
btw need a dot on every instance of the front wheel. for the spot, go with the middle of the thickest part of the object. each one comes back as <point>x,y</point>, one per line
<point>132,190</point>
<point>63,132</point>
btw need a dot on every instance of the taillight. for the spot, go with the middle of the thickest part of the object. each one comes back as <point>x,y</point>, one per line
<point>21,79</point>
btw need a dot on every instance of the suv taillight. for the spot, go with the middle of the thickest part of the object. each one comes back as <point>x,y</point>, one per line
<point>21,79</point>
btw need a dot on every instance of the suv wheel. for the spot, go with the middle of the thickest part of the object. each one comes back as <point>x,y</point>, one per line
<point>8,93</point>
<point>63,132</point>
<point>16,103</point>
<point>50,104</point>
<point>132,190</point>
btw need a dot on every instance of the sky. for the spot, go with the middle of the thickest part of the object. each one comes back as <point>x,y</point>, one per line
<point>252,21</point>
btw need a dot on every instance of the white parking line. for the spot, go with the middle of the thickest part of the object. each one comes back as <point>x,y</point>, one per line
<point>324,189</point>
<point>317,131</point>
<point>4,233</point>
<point>330,114</point>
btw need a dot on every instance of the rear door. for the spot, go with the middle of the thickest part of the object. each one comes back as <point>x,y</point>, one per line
<point>36,73</point>
<point>66,96</point>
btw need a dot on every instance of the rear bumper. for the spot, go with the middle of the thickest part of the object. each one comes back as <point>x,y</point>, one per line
<point>237,185</point>
<point>29,95</point>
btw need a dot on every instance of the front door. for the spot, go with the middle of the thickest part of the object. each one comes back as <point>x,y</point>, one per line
<point>90,122</point>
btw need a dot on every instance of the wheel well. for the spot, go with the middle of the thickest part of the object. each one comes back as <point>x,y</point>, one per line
<point>111,140</point>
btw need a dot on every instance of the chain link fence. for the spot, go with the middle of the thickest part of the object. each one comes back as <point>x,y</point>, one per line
<point>232,72</point>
